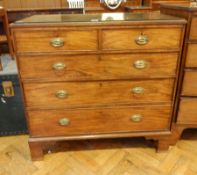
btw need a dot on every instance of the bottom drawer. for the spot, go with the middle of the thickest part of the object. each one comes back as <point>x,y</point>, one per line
<point>99,120</point>
<point>187,111</point>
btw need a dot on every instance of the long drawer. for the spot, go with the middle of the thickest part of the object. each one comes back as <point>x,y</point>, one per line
<point>55,40</point>
<point>99,120</point>
<point>153,38</point>
<point>189,83</point>
<point>97,67</point>
<point>187,111</point>
<point>97,93</point>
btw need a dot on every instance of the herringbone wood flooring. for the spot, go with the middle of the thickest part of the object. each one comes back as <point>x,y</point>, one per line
<point>102,157</point>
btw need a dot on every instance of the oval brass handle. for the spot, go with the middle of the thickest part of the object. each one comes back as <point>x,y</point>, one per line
<point>59,66</point>
<point>57,42</point>
<point>140,64</point>
<point>61,94</point>
<point>64,121</point>
<point>138,90</point>
<point>136,118</point>
<point>142,40</point>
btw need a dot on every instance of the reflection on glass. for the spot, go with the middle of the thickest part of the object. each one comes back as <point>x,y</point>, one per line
<point>102,17</point>
<point>112,16</point>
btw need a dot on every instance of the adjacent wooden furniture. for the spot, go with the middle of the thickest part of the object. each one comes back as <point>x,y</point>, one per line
<point>5,38</point>
<point>157,3</point>
<point>91,6</point>
<point>95,76</point>
<point>32,3</point>
<point>187,93</point>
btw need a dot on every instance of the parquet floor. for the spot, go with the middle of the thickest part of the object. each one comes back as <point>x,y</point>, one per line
<point>102,157</point>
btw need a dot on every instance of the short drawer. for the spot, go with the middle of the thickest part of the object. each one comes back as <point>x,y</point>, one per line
<point>187,111</point>
<point>191,59</point>
<point>95,121</point>
<point>94,67</point>
<point>189,83</point>
<point>153,38</point>
<point>193,32</point>
<point>53,40</point>
<point>97,93</point>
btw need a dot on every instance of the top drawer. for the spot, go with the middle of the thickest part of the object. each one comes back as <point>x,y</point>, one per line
<point>153,38</point>
<point>54,40</point>
<point>193,31</point>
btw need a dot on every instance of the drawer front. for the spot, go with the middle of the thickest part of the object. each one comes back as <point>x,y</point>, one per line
<point>97,93</point>
<point>193,32</point>
<point>53,40</point>
<point>191,59</point>
<point>93,67</point>
<point>160,38</point>
<point>187,111</point>
<point>189,83</point>
<point>93,121</point>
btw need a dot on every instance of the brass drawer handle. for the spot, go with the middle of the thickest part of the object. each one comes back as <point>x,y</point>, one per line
<point>136,118</point>
<point>57,42</point>
<point>142,40</point>
<point>64,121</point>
<point>140,64</point>
<point>58,66</point>
<point>61,94</point>
<point>138,90</point>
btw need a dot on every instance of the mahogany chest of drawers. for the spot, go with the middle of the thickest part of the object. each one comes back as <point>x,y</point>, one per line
<point>88,77</point>
<point>187,93</point>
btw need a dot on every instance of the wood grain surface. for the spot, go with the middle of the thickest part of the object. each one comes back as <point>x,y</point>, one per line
<point>193,32</point>
<point>191,59</point>
<point>187,113</point>
<point>159,38</point>
<point>189,83</point>
<point>98,67</point>
<point>186,103</point>
<point>97,93</point>
<point>99,120</point>
<point>38,40</point>
<point>100,157</point>
<point>102,87</point>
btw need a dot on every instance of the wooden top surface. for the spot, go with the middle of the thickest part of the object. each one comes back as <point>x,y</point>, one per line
<point>186,6</point>
<point>98,19</point>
